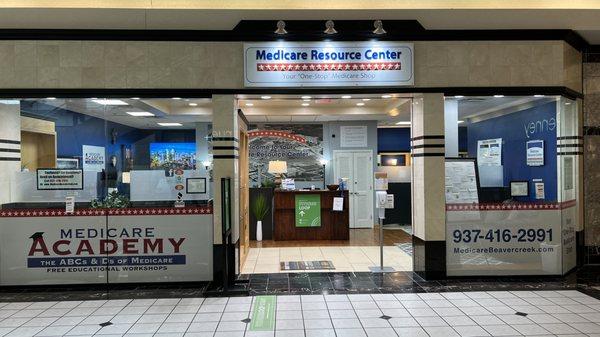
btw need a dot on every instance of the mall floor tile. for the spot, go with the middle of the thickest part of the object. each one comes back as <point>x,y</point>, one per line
<point>464,314</point>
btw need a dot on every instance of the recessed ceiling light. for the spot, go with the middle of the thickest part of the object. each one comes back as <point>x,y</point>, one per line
<point>360,104</point>
<point>136,98</point>
<point>51,98</point>
<point>459,96</point>
<point>346,97</point>
<point>193,104</point>
<point>169,124</point>
<point>498,96</point>
<point>306,100</point>
<point>109,102</point>
<point>249,104</point>
<point>538,95</point>
<point>306,97</point>
<point>403,123</point>
<point>567,103</point>
<point>386,96</point>
<point>305,104</point>
<point>366,99</point>
<point>176,98</point>
<point>265,97</point>
<point>140,113</point>
<point>460,122</point>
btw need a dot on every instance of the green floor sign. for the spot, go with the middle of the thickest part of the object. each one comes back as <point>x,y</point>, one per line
<point>308,210</point>
<point>263,314</point>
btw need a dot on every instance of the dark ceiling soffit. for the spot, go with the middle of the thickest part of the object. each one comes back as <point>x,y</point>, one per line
<point>207,93</point>
<point>300,30</point>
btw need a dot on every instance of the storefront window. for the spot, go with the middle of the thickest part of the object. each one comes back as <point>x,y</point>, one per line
<point>507,176</point>
<point>106,190</point>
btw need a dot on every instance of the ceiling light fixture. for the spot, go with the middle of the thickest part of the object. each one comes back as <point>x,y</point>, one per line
<point>51,98</point>
<point>329,28</point>
<point>265,97</point>
<point>140,113</point>
<point>360,104</point>
<point>366,99</point>
<point>305,104</point>
<point>280,28</point>
<point>306,97</point>
<point>109,101</point>
<point>176,98</point>
<point>346,97</point>
<point>459,96</point>
<point>249,104</point>
<point>386,96</point>
<point>306,100</point>
<point>10,101</point>
<point>169,124</point>
<point>403,123</point>
<point>193,104</point>
<point>459,122</point>
<point>378,24</point>
<point>538,95</point>
<point>498,96</point>
<point>136,98</point>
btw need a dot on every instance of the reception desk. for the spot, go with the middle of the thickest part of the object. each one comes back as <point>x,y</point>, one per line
<point>287,225</point>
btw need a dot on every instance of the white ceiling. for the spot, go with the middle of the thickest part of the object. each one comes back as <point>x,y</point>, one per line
<point>583,20</point>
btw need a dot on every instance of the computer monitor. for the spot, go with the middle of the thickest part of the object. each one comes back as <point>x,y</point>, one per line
<point>519,188</point>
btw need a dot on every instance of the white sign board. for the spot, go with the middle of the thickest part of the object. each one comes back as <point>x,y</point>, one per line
<point>59,179</point>
<point>522,240</point>
<point>318,64</point>
<point>353,136</point>
<point>461,182</point>
<point>94,158</point>
<point>83,249</point>
<point>489,152</point>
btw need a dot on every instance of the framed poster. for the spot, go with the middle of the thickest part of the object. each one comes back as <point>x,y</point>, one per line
<point>489,152</point>
<point>535,153</point>
<point>195,185</point>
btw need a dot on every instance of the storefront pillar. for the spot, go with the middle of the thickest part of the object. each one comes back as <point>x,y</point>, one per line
<point>10,147</point>
<point>225,144</point>
<point>428,206</point>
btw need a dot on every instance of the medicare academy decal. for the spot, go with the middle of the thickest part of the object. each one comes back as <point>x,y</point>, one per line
<point>93,250</point>
<point>328,64</point>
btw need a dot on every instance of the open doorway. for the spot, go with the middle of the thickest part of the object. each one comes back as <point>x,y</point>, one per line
<point>321,151</point>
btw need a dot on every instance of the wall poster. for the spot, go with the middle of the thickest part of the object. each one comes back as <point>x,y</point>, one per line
<point>461,181</point>
<point>94,158</point>
<point>353,136</point>
<point>489,152</point>
<point>59,179</point>
<point>535,153</point>
<point>301,146</point>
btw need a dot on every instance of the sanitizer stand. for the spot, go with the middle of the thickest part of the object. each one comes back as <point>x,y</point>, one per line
<point>382,201</point>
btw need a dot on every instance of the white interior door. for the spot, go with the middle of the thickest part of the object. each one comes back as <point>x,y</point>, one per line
<point>363,189</point>
<point>357,167</point>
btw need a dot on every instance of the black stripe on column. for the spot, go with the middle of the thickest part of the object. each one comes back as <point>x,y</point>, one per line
<point>428,155</point>
<point>225,156</point>
<point>10,159</point>
<point>575,153</point>
<point>10,150</point>
<point>9,141</point>
<point>428,137</point>
<point>569,137</point>
<point>569,145</point>
<point>225,139</point>
<point>427,145</point>
<point>225,147</point>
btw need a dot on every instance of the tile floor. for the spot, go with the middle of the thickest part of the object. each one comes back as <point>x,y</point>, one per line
<point>464,314</point>
<point>345,259</point>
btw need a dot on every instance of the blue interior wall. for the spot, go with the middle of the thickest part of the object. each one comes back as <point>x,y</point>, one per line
<point>512,128</point>
<point>398,139</point>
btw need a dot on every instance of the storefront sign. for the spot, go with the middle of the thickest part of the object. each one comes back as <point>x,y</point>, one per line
<point>140,247</point>
<point>93,158</point>
<point>535,153</point>
<point>59,179</point>
<point>308,210</point>
<point>513,239</point>
<point>315,64</point>
<point>353,136</point>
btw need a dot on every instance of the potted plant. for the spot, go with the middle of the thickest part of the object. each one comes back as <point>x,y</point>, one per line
<point>260,208</point>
